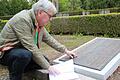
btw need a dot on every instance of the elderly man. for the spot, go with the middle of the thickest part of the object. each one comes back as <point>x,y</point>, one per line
<point>21,38</point>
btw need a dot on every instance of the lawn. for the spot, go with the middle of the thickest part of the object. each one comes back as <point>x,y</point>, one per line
<point>70,41</point>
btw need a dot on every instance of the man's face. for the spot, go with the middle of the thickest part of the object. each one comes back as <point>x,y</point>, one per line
<point>43,18</point>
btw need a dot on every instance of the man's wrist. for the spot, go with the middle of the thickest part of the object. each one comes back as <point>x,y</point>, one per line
<point>65,51</point>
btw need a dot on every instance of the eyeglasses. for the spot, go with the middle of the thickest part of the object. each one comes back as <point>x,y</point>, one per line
<point>50,16</point>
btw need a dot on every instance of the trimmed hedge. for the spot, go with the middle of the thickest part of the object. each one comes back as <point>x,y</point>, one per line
<point>2,23</point>
<point>80,12</point>
<point>90,24</point>
<point>96,11</point>
<point>6,17</point>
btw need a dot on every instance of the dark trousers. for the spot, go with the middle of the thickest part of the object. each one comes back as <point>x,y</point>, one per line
<point>19,61</point>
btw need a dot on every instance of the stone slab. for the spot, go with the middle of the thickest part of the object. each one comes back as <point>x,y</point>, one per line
<point>97,54</point>
<point>98,58</point>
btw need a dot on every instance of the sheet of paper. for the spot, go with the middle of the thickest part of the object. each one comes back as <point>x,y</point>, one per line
<point>66,71</point>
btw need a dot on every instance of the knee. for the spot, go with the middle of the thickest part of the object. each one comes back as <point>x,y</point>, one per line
<point>24,54</point>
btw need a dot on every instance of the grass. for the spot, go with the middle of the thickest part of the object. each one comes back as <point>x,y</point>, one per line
<point>70,41</point>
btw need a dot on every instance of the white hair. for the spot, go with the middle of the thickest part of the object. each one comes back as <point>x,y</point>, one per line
<point>44,5</point>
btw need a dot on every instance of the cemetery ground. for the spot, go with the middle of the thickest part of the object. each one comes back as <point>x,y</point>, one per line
<point>71,42</point>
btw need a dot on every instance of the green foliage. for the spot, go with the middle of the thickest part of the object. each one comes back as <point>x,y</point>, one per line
<point>106,24</point>
<point>11,7</point>
<point>74,5</point>
<point>91,24</point>
<point>17,5</point>
<point>3,7</point>
<point>99,4</point>
<point>71,5</point>
<point>6,17</point>
<point>2,23</point>
<point>68,5</point>
<point>79,12</point>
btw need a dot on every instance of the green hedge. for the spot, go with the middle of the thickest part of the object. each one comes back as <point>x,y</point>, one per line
<point>80,12</point>
<point>96,11</point>
<point>90,24</point>
<point>2,23</point>
<point>6,17</point>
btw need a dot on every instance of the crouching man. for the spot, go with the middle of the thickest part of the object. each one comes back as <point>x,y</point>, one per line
<point>21,38</point>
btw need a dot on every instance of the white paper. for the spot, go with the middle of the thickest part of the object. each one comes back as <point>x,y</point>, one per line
<point>66,71</point>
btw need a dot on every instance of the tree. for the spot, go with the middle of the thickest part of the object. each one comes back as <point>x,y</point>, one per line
<point>3,7</point>
<point>63,5</point>
<point>11,7</point>
<point>17,5</point>
<point>99,4</point>
<point>74,4</point>
<point>69,5</point>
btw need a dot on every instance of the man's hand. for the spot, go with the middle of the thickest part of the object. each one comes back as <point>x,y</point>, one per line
<point>53,71</point>
<point>71,54</point>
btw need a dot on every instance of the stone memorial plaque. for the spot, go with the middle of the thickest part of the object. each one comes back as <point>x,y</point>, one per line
<point>97,58</point>
<point>96,54</point>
